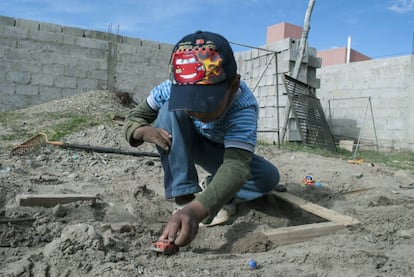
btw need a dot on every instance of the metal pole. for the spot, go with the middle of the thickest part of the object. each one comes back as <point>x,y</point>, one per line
<point>277,101</point>
<point>360,131</point>
<point>348,50</point>
<point>329,110</point>
<point>373,123</point>
<point>252,47</point>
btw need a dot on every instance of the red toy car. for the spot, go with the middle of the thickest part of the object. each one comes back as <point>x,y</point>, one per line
<point>165,247</point>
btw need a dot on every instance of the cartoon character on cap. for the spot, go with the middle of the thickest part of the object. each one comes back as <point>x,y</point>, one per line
<point>196,60</point>
<point>188,69</point>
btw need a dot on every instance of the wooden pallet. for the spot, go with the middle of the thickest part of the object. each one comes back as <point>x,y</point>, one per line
<point>292,234</point>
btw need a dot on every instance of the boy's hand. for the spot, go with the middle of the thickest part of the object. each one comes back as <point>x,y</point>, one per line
<point>182,227</point>
<point>154,135</point>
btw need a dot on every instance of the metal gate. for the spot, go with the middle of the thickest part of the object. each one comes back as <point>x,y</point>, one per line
<point>310,118</point>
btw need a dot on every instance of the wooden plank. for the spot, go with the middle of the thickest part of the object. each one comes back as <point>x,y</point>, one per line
<point>316,209</point>
<point>50,200</point>
<point>17,220</point>
<point>293,234</point>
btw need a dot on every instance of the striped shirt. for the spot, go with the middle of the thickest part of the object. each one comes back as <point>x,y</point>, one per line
<point>236,127</point>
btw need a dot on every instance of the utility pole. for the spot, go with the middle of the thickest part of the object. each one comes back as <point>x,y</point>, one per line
<point>303,39</point>
<point>301,52</point>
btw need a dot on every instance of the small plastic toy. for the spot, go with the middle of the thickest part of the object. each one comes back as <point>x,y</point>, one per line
<point>165,247</point>
<point>308,181</point>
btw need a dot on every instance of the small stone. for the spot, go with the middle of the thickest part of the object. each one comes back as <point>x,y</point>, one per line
<point>42,158</point>
<point>407,233</point>
<point>59,211</point>
<point>370,238</point>
<point>149,163</point>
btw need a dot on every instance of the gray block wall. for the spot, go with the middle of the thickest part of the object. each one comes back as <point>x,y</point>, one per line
<point>389,83</point>
<point>42,61</point>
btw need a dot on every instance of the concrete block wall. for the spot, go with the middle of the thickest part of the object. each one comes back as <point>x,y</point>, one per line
<point>389,83</point>
<point>258,68</point>
<point>42,61</point>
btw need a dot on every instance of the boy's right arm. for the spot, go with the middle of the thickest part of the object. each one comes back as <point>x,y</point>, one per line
<point>140,116</point>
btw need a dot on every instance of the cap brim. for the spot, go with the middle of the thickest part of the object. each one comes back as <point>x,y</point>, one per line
<point>197,98</point>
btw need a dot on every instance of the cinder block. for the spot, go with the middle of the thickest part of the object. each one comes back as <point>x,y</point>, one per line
<point>91,43</point>
<point>87,84</point>
<point>42,79</point>
<point>14,101</point>
<point>65,82</point>
<point>127,49</point>
<point>132,41</point>
<point>7,88</point>
<point>27,90</point>
<point>5,42</point>
<point>46,37</point>
<point>14,32</point>
<point>73,31</point>
<point>49,93</point>
<point>281,45</point>
<point>22,78</point>
<point>49,27</point>
<point>98,53</point>
<point>69,92</point>
<point>347,145</point>
<point>27,25</point>
<point>97,35</point>
<point>53,69</point>
<point>97,74</point>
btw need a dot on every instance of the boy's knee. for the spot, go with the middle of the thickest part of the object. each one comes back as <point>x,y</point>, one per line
<point>271,178</point>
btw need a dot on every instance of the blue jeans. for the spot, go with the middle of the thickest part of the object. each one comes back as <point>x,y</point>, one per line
<point>189,148</point>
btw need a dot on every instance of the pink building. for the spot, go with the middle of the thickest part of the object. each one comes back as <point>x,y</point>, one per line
<point>281,31</point>
<point>339,56</point>
<point>329,57</point>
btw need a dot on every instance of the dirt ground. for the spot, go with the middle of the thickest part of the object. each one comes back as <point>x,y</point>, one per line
<point>112,236</point>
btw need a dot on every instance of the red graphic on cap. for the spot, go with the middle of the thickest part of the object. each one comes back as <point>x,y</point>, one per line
<point>187,68</point>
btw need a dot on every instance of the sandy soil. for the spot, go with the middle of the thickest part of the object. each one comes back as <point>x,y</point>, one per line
<point>112,236</point>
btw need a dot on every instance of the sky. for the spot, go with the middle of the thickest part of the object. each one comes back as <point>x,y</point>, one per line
<point>377,28</point>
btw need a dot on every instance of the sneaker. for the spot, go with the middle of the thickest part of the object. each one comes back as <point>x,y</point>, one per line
<point>222,216</point>
<point>280,188</point>
<point>204,183</point>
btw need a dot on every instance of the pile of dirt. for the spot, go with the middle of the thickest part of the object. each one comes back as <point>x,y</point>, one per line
<point>111,237</point>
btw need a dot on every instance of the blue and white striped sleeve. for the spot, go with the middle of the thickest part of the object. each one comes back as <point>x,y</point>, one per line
<point>242,129</point>
<point>159,95</point>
